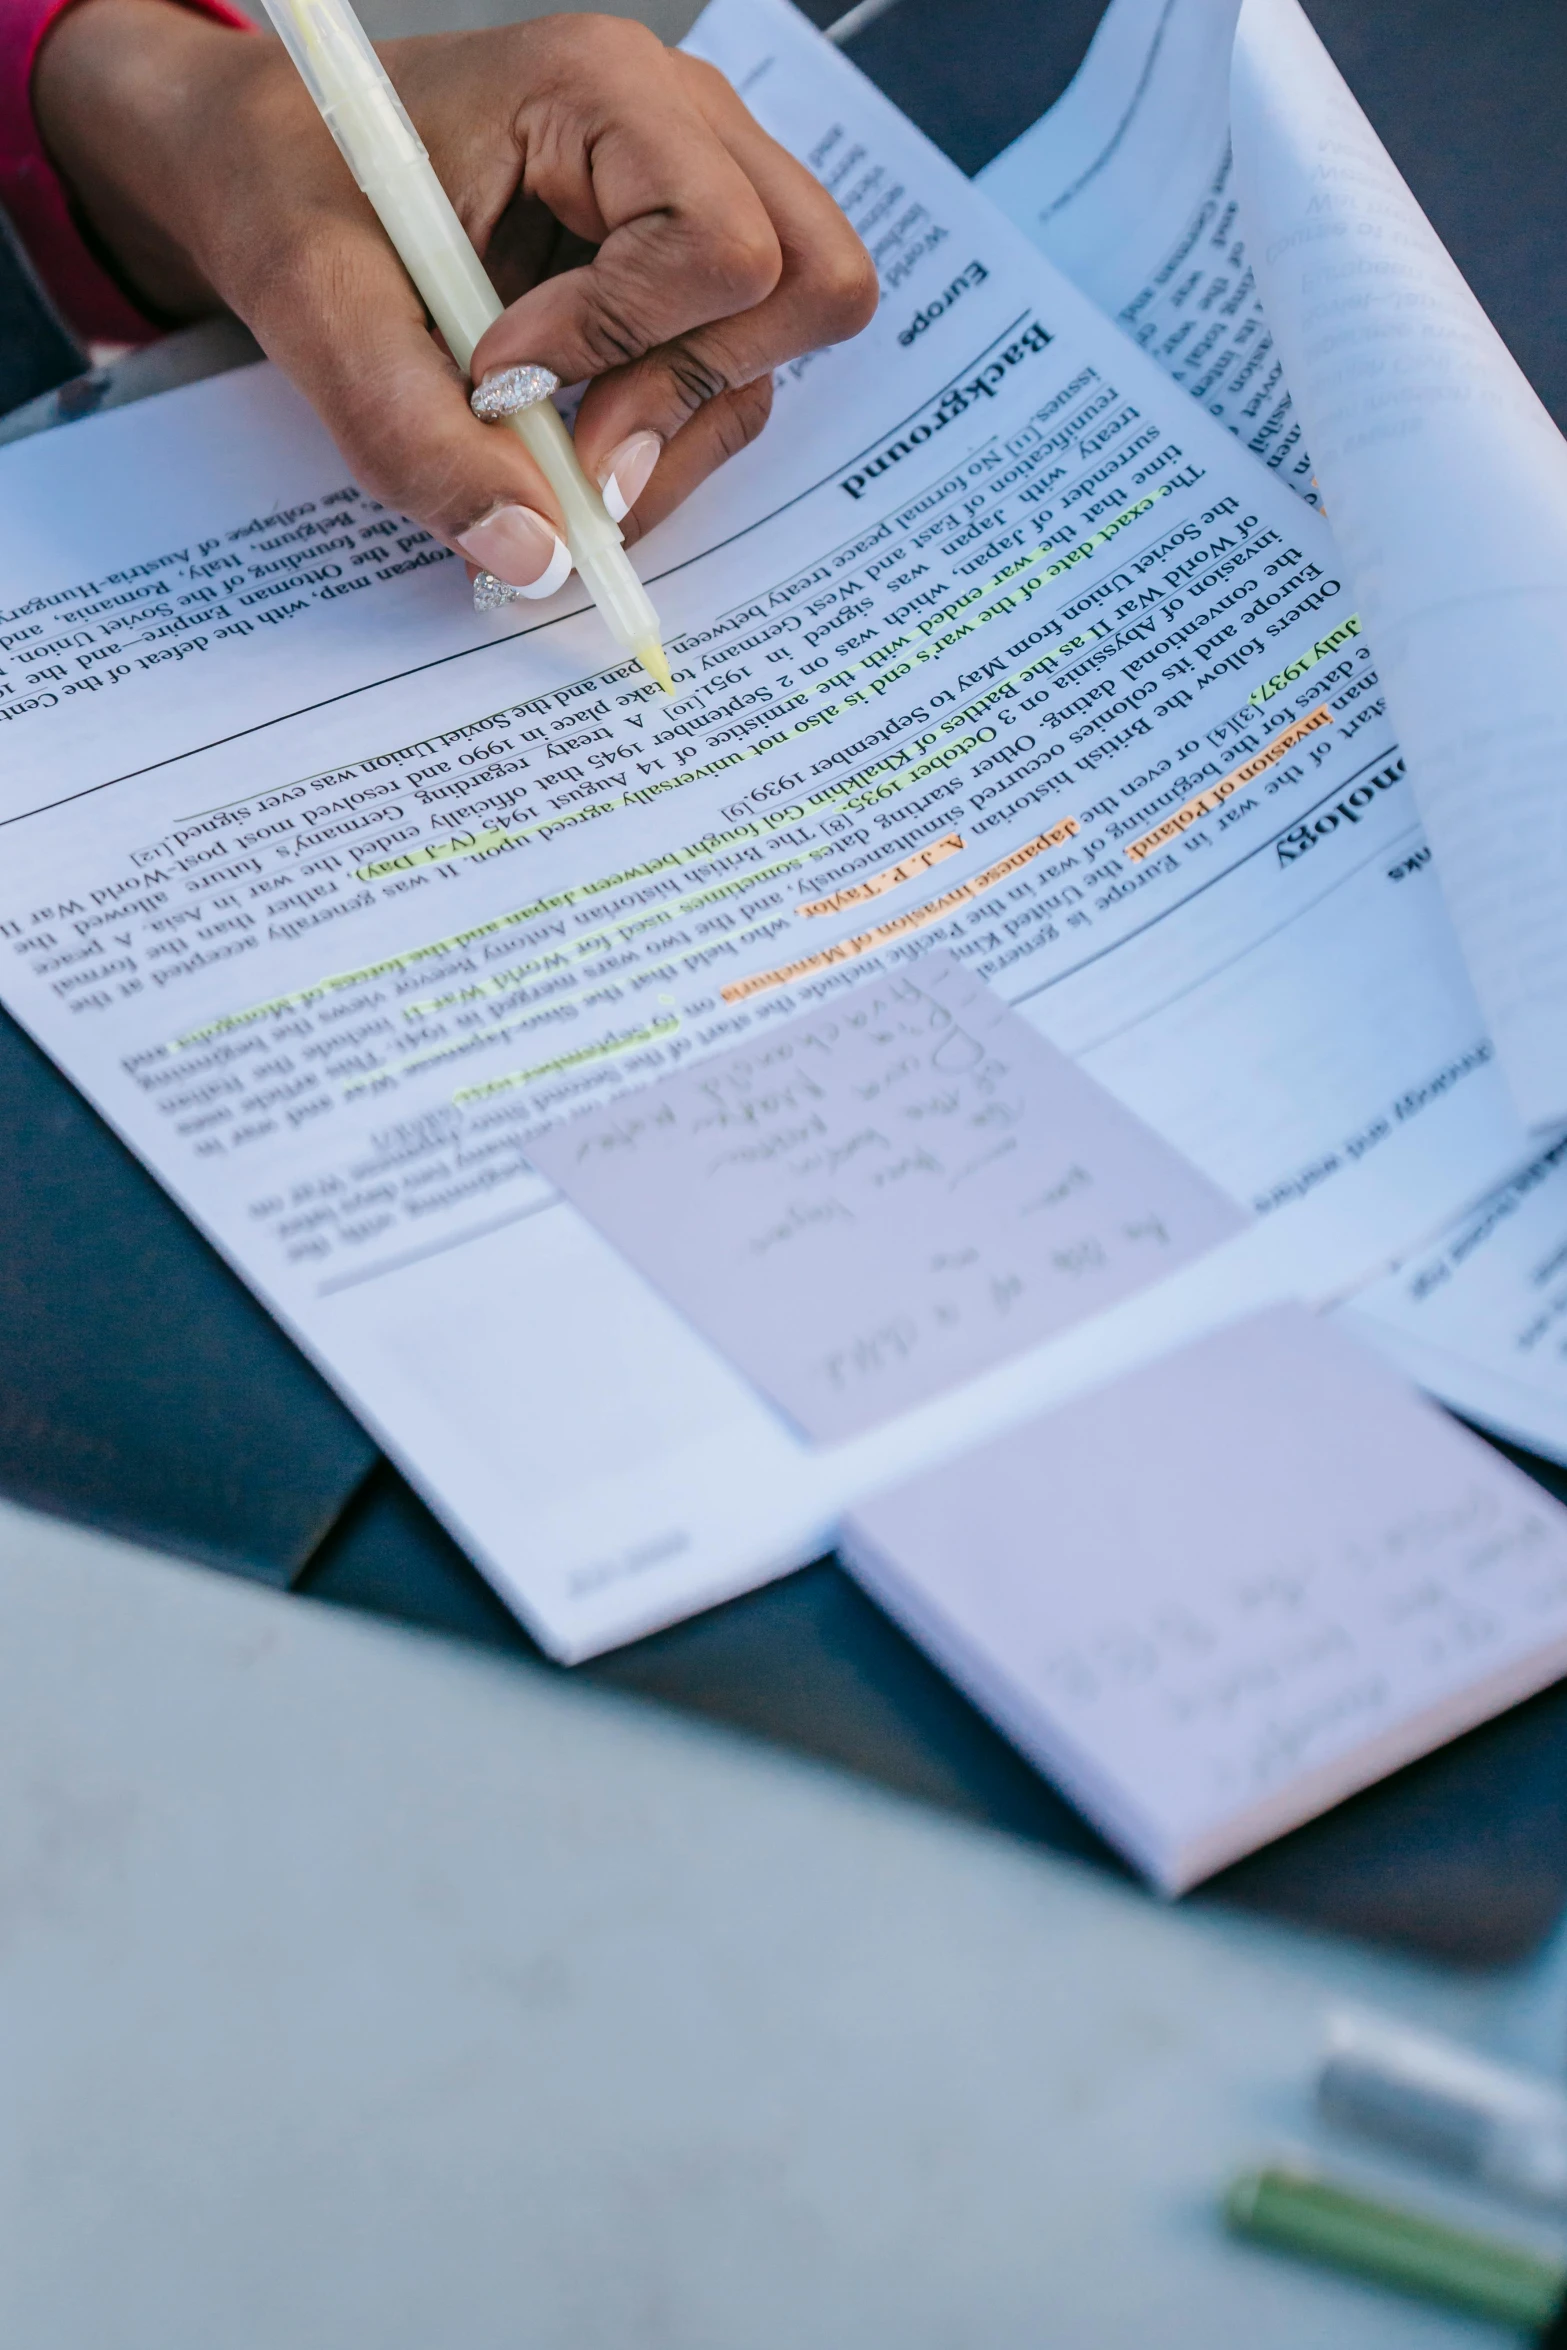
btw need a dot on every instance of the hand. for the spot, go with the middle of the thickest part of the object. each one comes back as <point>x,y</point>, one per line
<point>646,232</point>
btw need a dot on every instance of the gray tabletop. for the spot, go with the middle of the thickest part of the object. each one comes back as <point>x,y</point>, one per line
<point>359,1988</point>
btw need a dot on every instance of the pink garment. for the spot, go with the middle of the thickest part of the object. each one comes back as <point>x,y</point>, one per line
<point>30,190</point>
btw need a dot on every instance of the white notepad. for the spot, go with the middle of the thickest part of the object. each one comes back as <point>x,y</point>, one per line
<point>1219,1595</point>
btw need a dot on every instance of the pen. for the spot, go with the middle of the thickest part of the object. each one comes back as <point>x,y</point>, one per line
<point>1300,2211</point>
<point>387,157</point>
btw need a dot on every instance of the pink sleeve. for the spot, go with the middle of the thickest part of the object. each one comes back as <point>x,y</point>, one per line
<point>86,296</point>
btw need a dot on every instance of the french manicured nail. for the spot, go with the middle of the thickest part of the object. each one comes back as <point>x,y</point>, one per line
<point>623,476</point>
<point>520,549</point>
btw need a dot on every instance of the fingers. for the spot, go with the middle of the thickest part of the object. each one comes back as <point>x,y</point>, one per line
<point>720,258</point>
<point>199,117</point>
<point>723,427</point>
<point>717,257</point>
<point>328,299</point>
<point>352,335</point>
<point>618,149</point>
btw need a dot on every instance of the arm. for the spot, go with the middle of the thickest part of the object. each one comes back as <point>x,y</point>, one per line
<point>90,298</point>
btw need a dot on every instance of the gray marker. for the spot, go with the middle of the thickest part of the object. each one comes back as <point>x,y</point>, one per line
<point>1433,2099</point>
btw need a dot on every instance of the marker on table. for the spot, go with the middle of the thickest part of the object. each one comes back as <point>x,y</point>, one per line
<point>1443,2104</point>
<point>1300,2211</point>
<point>386,156</point>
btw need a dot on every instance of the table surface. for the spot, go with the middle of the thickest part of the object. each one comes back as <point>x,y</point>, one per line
<point>359,1987</point>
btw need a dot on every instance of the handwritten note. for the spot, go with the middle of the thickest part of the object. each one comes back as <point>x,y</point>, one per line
<point>867,1204</point>
<point>1220,1594</point>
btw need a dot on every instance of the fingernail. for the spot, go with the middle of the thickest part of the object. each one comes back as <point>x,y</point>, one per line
<point>506,391</point>
<point>623,476</point>
<point>519,549</point>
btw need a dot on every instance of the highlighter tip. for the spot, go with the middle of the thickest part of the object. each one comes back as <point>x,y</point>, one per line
<point>653,659</point>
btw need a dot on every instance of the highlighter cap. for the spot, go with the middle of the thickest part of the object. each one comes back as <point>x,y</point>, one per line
<point>1446,2105</point>
<point>348,83</point>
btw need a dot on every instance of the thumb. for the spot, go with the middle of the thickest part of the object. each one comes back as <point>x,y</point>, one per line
<point>349,330</point>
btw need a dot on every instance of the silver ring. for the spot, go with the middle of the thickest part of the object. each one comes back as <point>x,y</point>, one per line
<point>506,391</point>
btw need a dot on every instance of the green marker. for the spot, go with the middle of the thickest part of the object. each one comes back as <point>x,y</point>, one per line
<point>1302,2212</point>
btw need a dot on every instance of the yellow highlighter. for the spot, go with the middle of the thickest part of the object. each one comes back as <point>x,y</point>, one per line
<point>387,157</point>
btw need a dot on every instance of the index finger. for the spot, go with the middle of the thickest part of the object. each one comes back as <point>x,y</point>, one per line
<point>625,157</point>
<point>826,291</point>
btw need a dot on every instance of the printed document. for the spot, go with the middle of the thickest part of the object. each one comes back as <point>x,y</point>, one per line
<point>1448,503</point>
<point>334,897</point>
<point>1128,184</point>
<point>1480,1311</point>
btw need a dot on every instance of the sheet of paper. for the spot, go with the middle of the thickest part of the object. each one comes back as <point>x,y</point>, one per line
<point>1298,286</point>
<point>1446,482</point>
<point>1478,1314</point>
<point>330,894</point>
<point>1127,183</point>
<point>1215,1597</point>
<point>876,1201</point>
